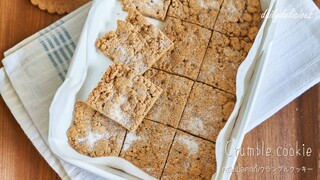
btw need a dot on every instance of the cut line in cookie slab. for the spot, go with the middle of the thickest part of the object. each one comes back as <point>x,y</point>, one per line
<point>148,146</point>
<point>201,12</point>
<point>222,59</point>
<point>190,158</point>
<point>190,44</point>
<point>169,107</point>
<point>206,111</point>
<point>195,81</point>
<point>87,67</point>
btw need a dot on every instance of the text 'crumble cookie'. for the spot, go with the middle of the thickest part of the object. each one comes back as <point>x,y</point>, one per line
<point>200,12</point>
<point>124,96</point>
<point>190,41</point>
<point>223,57</point>
<point>239,18</point>
<point>152,8</point>
<point>148,147</point>
<point>169,107</point>
<point>190,158</point>
<point>206,111</point>
<point>94,134</point>
<point>136,43</point>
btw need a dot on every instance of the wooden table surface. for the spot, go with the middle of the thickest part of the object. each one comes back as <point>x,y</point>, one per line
<point>298,122</point>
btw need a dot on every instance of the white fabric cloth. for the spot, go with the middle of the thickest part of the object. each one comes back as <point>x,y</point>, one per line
<point>294,64</point>
<point>35,68</point>
<point>33,71</point>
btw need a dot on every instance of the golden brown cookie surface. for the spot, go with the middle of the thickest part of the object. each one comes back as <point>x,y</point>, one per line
<point>59,6</point>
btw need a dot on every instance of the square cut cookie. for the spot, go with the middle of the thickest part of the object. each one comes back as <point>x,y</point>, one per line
<point>206,111</point>
<point>239,18</point>
<point>190,158</point>
<point>169,107</point>
<point>136,43</point>
<point>190,41</point>
<point>223,57</point>
<point>152,8</point>
<point>124,96</point>
<point>200,12</point>
<point>94,134</point>
<point>148,147</point>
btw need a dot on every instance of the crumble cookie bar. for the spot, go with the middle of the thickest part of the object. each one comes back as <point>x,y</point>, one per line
<point>201,12</point>
<point>124,96</point>
<point>169,107</point>
<point>136,43</point>
<point>190,158</point>
<point>148,147</point>
<point>206,111</point>
<point>239,18</point>
<point>191,42</point>
<point>152,8</point>
<point>223,57</point>
<point>93,134</point>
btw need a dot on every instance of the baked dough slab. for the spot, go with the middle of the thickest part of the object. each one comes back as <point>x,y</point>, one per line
<point>124,96</point>
<point>190,44</point>
<point>148,147</point>
<point>201,12</point>
<point>94,134</point>
<point>153,8</point>
<point>136,43</point>
<point>190,158</point>
<point>169,107</point>
<point>206,111</point>
<point>239,18</point>
<point>223,57</point>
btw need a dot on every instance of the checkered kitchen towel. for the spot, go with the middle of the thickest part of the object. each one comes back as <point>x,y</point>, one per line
<point>36,67</point>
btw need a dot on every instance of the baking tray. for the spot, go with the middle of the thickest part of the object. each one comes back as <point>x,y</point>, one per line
<point>88,66</point>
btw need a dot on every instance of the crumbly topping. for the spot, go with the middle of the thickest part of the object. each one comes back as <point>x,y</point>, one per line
<point>222,59</point>
<point>93,134</point>
<point>188,76</point>
<point>124,96</point>
<point>152,8</point>
<point>190,46</point>
<point>136,43</point>
<point>239,18</point>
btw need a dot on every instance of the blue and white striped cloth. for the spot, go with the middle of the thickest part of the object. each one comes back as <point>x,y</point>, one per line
<point>59,46</point>
<point>33,71</point>
<point>35,68</point>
